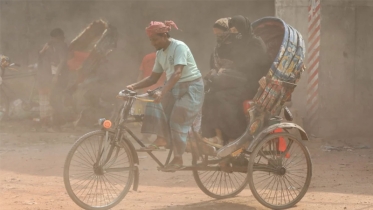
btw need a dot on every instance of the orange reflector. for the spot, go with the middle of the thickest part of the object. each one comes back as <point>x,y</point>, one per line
<point>106,124</point>
<point>281,142</point>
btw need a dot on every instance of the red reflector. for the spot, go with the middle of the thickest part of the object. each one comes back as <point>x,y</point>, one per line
<point>246,106</point>
<point>281,142</point>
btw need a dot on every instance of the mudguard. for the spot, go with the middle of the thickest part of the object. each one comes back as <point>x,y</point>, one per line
<point>271,128</point>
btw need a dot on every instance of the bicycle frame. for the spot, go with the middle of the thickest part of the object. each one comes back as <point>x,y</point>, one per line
<point>120,129</point>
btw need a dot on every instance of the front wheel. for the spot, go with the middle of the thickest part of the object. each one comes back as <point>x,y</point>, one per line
<point>280,171</point>
<point>98,171</point>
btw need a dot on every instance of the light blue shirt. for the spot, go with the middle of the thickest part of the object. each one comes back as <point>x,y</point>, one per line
<point>177,53</point>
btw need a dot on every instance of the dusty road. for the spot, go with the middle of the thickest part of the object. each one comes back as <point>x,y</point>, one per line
<point>32,164</point>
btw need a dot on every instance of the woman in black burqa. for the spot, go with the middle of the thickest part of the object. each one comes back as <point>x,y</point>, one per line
<point>238,62</point>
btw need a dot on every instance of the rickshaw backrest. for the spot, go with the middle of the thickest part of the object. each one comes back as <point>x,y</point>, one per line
<point>91,46</point>
<point>285,46</point>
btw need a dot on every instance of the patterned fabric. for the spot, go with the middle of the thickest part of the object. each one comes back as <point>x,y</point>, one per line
<point>173,117</point>
<point>159,27</point>
<point>222,23</point>
<point>196,123</point>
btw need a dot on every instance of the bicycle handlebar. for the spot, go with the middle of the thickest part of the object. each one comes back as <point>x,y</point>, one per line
<point>142,97</point>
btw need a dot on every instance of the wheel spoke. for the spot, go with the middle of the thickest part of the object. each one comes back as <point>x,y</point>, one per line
<point>220,184</point>
<point>89,183</point>
<point>285,185</point>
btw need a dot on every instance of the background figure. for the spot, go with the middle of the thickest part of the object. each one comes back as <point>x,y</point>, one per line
<point>146,69</point>
<point>51,78</point>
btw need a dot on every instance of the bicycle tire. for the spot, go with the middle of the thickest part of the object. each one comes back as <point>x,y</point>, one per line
<point>66,174</point>
<point>214,194</point>
<point>307,180</point>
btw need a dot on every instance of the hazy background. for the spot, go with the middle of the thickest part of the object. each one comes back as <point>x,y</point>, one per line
<point>345,75</point>
<point>25,26</point>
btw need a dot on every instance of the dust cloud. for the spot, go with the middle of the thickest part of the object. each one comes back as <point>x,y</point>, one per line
<point>25,26</point>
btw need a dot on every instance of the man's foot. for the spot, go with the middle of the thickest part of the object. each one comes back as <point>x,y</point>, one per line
<point>214,141</point>
<point>174,165</point>
<point>160,142</point>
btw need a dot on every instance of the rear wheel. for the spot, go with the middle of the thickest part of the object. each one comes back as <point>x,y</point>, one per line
<point>280,171</point>
<point>217,182</point>
<point>98,171</point>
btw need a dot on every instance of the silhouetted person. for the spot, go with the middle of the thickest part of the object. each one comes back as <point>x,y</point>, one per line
<point>52,79</point>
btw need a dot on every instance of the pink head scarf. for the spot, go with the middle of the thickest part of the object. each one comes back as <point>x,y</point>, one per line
<point>159,27</point>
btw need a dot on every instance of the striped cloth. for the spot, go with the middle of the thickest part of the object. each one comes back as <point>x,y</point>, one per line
<point>174,116</point>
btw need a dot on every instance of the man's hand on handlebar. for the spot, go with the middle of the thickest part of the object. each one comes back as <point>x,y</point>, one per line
<point>158,95</point>
<point>129,92</point>
<point>131,87</point>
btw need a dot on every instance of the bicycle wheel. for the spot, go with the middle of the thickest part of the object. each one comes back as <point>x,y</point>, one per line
<point>98,173</point>
<point>218,183</point>
<point>280,171</point>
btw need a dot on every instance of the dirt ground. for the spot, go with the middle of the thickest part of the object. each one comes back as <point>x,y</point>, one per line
<point>32,166</point>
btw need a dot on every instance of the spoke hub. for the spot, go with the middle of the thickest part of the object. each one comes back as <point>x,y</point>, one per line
<point>281,171</point>
<point>98,169</point>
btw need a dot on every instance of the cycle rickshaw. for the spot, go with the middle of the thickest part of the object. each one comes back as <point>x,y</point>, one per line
<point>102,165</point>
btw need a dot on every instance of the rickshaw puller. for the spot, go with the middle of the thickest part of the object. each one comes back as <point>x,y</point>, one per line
<point>180,100</point>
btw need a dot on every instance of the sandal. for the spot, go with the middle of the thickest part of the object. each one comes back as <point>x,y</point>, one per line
<point>172,167</point>
<point>150,148</point>
<point>214,141</point>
